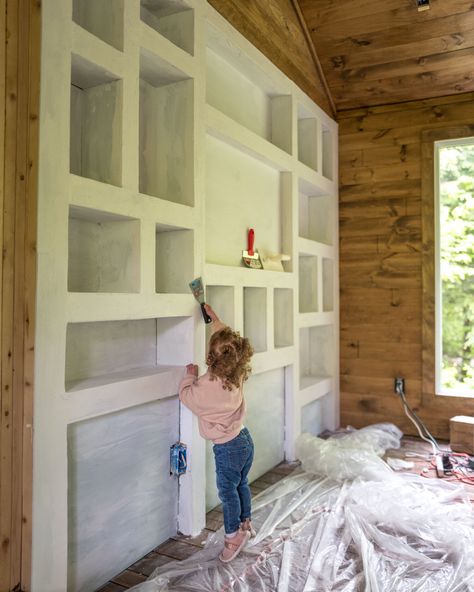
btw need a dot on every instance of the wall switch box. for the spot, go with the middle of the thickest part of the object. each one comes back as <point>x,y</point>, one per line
<point>462,434</point>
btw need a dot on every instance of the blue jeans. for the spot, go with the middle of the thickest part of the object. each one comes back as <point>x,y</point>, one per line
<point>233,462</point>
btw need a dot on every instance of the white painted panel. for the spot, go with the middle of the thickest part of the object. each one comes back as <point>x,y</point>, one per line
<point>75,144</point>
<point>110,349</point>
<point>264,394</point>
<point>328,285</point>
<point>122,501</point>
<point>166,136</point>
<point>96,123</point>
<point>105,347</point>
<point>101,133</point>
<point>308,142</point>
<point>104,252</point>
<point>316,353</point>
<point>316,216</point>
<point>283,317</point>
<point>241,193</point>
<point>255,318</point>
<point>103,18</point>
<point>308,278</point>
<point>281,114</point>
<point>174,262</point>
<point>327,154</point>
<point>172,19</point>
<point>317,416</point>
<point>230,91</point>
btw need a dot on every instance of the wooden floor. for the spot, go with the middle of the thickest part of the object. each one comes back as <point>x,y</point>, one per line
<point>181,547</point>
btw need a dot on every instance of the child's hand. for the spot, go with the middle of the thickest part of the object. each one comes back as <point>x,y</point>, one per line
<point>211,313</point>
<point>192,369</point>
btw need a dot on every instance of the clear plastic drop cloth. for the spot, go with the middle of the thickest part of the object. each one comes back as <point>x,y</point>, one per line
<point>345,522</point>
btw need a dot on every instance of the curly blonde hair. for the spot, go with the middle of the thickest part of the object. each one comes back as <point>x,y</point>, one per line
<point>228,358</point>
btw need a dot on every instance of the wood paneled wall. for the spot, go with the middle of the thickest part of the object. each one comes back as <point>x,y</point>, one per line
<point>381,259</point>
<point>273,27</point>
<point>19,108</point>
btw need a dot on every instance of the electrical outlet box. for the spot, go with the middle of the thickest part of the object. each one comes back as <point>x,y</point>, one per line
<point>423,5</point>
<point>399,385</point>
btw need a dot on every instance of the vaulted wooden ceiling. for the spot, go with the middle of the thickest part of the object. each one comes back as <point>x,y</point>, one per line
<point>375,52</point>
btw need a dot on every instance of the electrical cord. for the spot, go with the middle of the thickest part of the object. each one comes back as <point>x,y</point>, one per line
<point>456,466</point>
<point>420,426</point>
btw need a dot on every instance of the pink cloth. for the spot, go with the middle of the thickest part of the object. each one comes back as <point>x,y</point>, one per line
<point>220,412</point>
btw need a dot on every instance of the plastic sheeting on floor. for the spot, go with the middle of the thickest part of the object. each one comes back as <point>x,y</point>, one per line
<point>348,523</point>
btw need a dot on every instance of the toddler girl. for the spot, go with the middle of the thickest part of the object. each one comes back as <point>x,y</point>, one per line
<point>217,399</point>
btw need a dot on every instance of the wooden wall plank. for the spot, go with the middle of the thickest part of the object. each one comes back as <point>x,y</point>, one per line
<point>381,247</point>
<point>34,61</point>
<point>408,33</point>
<point>415,49</point>
<point>22,82</point>
<point>405,15</point>
<point>404,88</point>
<point>6,466</point>
<point>19,104</point>
<point>375,53</point>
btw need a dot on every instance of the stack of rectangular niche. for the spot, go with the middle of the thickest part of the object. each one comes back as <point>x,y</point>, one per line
<point>265,152</point>
<point>131,254</point>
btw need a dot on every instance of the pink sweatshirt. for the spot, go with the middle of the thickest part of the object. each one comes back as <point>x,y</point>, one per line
<point>220,412</point>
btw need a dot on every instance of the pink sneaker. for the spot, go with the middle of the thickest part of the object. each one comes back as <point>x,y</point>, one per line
<point>233,546</point>
<point>247,525</point>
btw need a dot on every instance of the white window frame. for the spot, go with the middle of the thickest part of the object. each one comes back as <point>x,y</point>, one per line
<point>438,289</point>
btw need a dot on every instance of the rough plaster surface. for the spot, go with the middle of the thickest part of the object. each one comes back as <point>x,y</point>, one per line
<point>152,156</point>
<point>121,500</point>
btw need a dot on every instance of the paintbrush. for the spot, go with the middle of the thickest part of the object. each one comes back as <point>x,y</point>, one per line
<point>251,257</point>
<point>198,292</point>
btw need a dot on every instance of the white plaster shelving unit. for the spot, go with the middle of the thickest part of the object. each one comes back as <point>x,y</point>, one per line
<point>165,135</point>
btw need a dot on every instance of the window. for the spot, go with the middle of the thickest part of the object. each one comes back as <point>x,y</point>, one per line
<point>454,267</point>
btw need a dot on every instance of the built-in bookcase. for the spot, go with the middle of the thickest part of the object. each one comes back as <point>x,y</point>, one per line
<point>165,136</point>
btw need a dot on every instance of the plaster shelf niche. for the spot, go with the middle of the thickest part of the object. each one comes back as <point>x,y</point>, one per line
<point>105,352</point>
<point>104,252</point>
<point>327,153</point>
<point>102,18</point>
<point>221,298</point>
<point>283,317</point>
<point>316,416</point>
<point>122,501</point>
<point>307,138</point>
<point>255,318</point>
<point>241,193</point>
<point>174,19</point>
<point>316,214</point>
<point>328,285</point>
<point>95,123</point>
<point>308,283</point>
<point>316,354</point>
<point>174,259</point>
<point>166,168</point>
<point>236,86</point>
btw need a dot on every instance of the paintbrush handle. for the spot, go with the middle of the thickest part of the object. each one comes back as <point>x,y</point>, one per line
<point>250,241</point>
<point>205,316</point>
